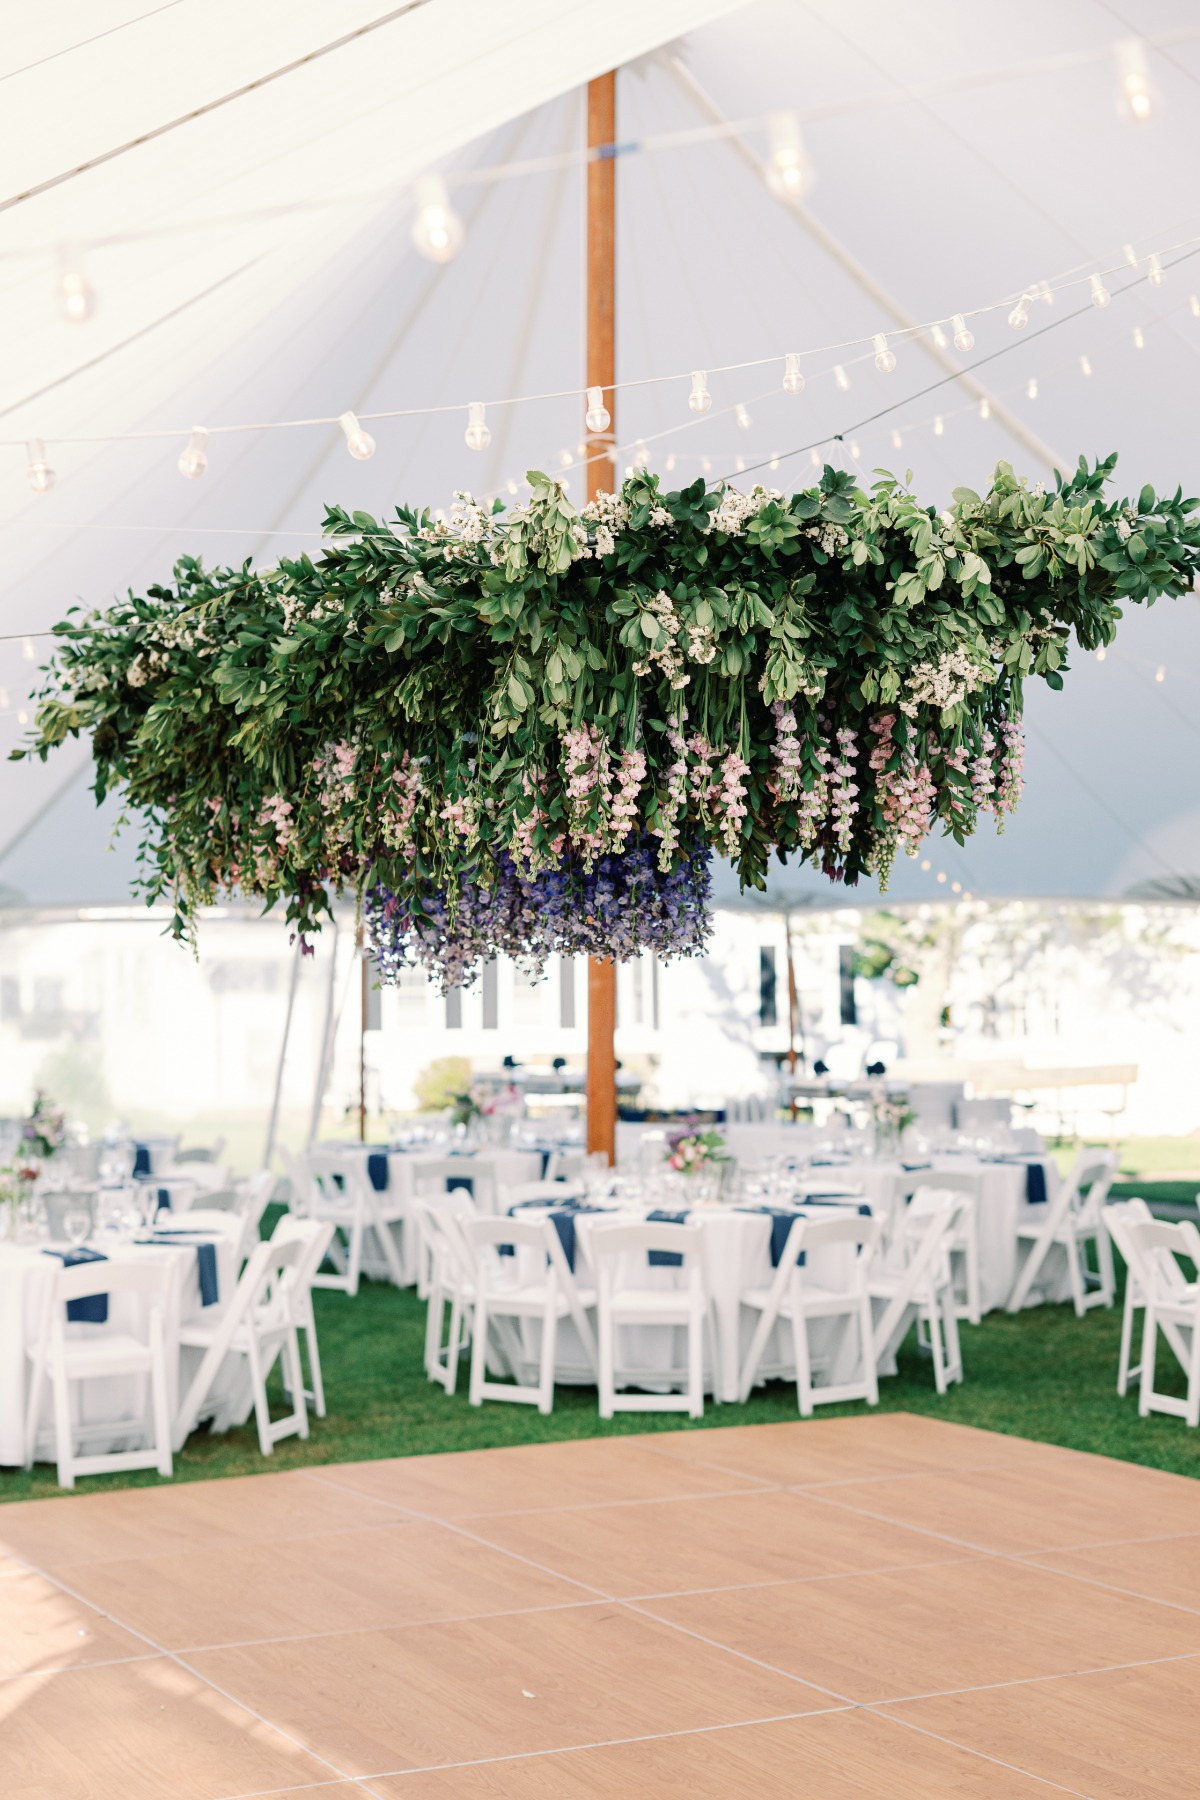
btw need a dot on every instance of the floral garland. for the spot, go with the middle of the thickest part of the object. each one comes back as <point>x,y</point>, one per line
<point>527,731</point>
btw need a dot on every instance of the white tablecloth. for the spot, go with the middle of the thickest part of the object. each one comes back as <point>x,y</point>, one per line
<point>736,1250</point>
<point>25,1275</point>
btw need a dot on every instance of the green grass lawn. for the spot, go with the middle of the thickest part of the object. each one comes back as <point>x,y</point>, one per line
<point>1042,1374</point>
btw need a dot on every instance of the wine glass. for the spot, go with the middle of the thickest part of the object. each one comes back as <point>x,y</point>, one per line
<point>76,1219</point>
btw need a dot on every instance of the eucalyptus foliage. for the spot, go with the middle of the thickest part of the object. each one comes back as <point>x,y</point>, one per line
<point>433,701</point>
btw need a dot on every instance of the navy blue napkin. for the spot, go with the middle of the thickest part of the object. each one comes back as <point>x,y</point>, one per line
<point>89,1309</point>
<point>545,1156</point>
<point>563,1214</point>
<point>666,1259</point>
<point>1035,1184</point>
<point>206,1260</point>
<point>377,1169</point>
<point>141,1159</point>
<point>782,1220</point>
<point>461,1181</point>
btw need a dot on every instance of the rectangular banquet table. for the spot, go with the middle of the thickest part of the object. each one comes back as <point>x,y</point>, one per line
<point>25,1276</point>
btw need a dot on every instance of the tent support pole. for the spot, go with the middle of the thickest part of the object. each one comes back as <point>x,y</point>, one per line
<point>601,360</point>
<point>273,1124</point>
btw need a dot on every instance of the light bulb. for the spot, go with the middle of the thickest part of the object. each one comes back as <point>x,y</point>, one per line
<point>1194,305</point>
<point>1155,273</point>
<point>1130,255</point>
<point>597,418</point>
<point>1100,294</point>
<point>897,441</point>
<point>939,426</point>
<point>699,399</point>
<point>788,170</point>
<point>855,449</point>
<point>742,416</point>
<point>956,887</point>
<point>1139,341</point>
<point>1031,388</point>
<point>774,462</point>
<point>565,459</point>
<point>670,462</point>
<point>985,408</point>
<point>39,474</point>
<point>194,459</point>
<point>1160,674</point>
<point>706,465</point>
<point>1101,654</point>
<point>1018,318</point>
<point>76,295</point>
<point>814,457</point>
<point>477,435</point>
<point>885,360</point>
<point>437,229</point>
<point>1047,293</point>
<point>939,337</point>
<point>1135,92</point>
<point>793,380</point>
<point>511,485</point>
<point>641,455</point>
<point>941,875</point>
<point>4,702</point>
<point>27,649</point>
<point>359,443</point>
<point>841,377</point>
<point>1085,365</point>
<point>926,864</point>
<point>740,465</point>
<point>964,337</point>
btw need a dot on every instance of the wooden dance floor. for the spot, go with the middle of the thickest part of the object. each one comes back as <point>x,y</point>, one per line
<point>872,1608</point>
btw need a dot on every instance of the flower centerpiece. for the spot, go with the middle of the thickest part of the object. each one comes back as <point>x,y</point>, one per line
<point>465,1107</point>
<point>528,732</point>
<point>45,1130</point>
<point>16,1186</point>
<point>692,1151</point>
<point>891,1116</point>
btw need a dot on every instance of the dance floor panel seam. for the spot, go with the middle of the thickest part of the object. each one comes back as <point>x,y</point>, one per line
<point>965,1669</point>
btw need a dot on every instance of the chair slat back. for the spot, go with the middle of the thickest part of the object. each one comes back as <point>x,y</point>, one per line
<point>1159,1242</point>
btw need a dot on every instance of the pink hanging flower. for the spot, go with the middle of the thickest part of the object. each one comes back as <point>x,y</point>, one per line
<point>787,784</point>
<point>398,822</point>
<point>675,802</point>
<point>843,788</point>
<point>1009,779</point>
<point>586,765</point>
<point>631,772</point>
<point>983,774</point>
<point>732,801</point>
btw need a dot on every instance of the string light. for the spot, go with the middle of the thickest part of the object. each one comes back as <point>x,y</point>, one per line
<point>1131,256</point>
<point>897,441</point>
<point>27,649</point>
<point>565,459</point>
<point>885,360</point>
<point>437,229</point>
<point>985,408</point>
<point>512,486</point>
<point>1046,292</point>
<point>793,379</point>
<point>1194,305</point>
<point>1085,365</point>
<point>855,449</point>
<point>1155,273</point>
<point>814,457</point>
<point>76,296</point>
<point>938,426</point>
<point>1018,318</point>
<point>1100,294</point>
<point>1135,96</point>
<point>699,399</point>
<point>926,864</point>
<point>740,465</point>
<point>706,465</point>
<point>939,337</point>
<point>964,337</point>
<point>359,443</point>
<point>670,462</point>
<point>774,462</point>
<point>1031,388</point>
<point>1160,674</point>
<point>194,460</point>
<point>1101,654</point>
<point>641,454</point>
<point>789,172</point>
<point>841,377</point>
<point>477,435</point>
<point>1139,341</point>
<point>941,874</point>
<point>39,474</point>
<point>742,416</point>
<point>956,887</point>
<point>4,698</point>
<point>597,418</point>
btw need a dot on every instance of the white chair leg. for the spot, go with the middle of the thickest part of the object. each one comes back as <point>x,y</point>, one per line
<point>1193,1375</point>
<point>713,1343</point>
<point>158,1392</point>
<point>695,1342</point>
<point>935,1345</point>
<point>1149,1349</point>
<point>64,1444</point>
<point>607,1372</point>
<point>478,1354</point>
<point>354,1260</point>
<point>314,1363</point>
<point>754,1354</point>
<point>804,1394</point>
<point>954,1367</point>
<point>291,1358</point>
<point>866,1342</point>
<point>974,1297</point>
<point>434,1314</point>
<point>1104,1259</point>
<point>546,1367</point>
<point>258,1384</point>
<point>1075,1253</point>
<point>1126,1337</point>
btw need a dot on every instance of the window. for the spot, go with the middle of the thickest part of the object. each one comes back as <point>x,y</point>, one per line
<point>767,1010</point>
<point>411,988</point>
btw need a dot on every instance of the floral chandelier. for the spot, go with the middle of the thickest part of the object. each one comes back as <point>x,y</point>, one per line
<point>528,732</point>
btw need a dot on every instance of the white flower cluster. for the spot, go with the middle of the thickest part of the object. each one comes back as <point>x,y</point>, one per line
<point>146,666</point>
<point>668,656</point>
<point>660,517</point>
<point>736,510</point>
<point>946,682</point>
<point>295,607</point>
<point>830,537</point>
<point>468,519</point>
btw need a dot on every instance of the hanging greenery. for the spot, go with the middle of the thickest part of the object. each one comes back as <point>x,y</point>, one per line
<point>528,731</point>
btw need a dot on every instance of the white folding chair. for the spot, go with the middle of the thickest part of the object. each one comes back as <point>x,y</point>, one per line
<point>451,1282</point>
<point>796,1297</point>
<point>314,1236</point>
<point>258,1323</point>
<point>1072,1220</point>
<point>65,1354</point>
<point>621,1302</point>
<point>566,1165</point>
<point>336,1187</point>
<point>962,1243</point>
<point>1117,1216</point>
<point>522,1193</point>
<point>506,1292</point>
<point>434,1176</point>
<point>922,1287</point>
<point>1170,1299</point>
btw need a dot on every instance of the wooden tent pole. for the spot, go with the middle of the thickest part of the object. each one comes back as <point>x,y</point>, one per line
<point>601,361</point>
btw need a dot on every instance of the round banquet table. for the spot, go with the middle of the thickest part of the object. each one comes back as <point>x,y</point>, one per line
<point>1002,1206</point>
<point>736,1252</point>
<point>25,1276</point>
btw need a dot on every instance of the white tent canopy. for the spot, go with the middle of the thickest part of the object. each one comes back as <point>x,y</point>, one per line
<point>254,265</point>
